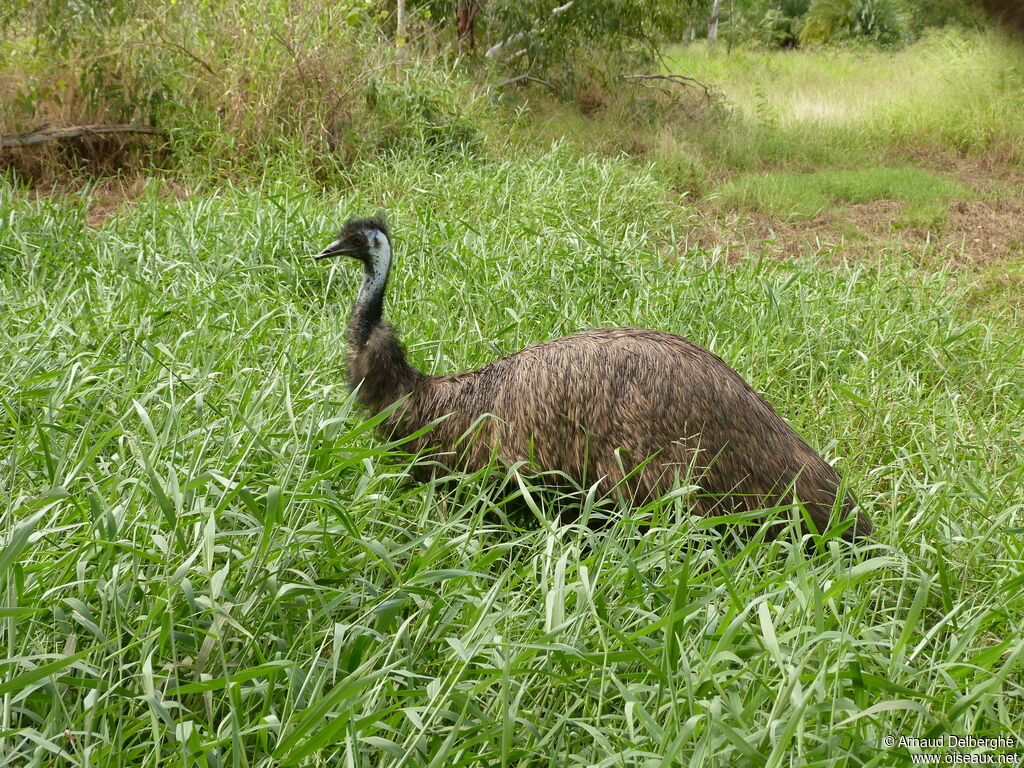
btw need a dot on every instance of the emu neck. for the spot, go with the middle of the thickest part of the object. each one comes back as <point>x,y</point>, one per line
<point>369,307</point>
<point>376,361</point>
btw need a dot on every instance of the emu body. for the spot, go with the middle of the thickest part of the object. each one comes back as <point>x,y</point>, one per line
<point>629,409</point>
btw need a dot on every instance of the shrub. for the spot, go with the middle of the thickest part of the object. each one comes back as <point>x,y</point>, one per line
<point>883,22</point>
<point>783,21</point>
<point>942,13</point>
<point>235,84</point>
<point>553,39</point>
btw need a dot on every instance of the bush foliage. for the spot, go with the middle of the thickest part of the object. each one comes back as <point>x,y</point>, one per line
<point>884,22</point>
<point>237,84</point>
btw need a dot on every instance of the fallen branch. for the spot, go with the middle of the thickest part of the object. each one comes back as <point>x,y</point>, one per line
<point>181,49</point>
<point>657,82</point>
<point>683,80</point>
<point>523,78</point>
<point>45,134</point>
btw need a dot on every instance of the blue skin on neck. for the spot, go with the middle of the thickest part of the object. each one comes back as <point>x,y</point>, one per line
<point>369,306</point>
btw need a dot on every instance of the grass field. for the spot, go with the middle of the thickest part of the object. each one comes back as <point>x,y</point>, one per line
<point>792,195</point>
<point>207,559</point>
<point>950,93</point>
<point>916,153</point>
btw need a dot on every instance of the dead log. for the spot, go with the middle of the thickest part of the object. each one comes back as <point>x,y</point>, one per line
<point>47,134</point>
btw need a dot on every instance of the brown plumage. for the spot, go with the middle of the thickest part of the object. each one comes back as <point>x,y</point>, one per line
<point>594,406</point>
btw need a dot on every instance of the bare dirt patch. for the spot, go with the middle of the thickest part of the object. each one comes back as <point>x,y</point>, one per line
<point>988,230</point>
<point>117,195</point>
<point>99,212</point>
<point>111,196</point>
<point>98,157</point>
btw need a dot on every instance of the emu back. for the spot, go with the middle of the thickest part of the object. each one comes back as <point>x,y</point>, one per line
<point>630,409</point>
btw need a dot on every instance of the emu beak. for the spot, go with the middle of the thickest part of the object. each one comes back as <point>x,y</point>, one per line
<point>334,249</point>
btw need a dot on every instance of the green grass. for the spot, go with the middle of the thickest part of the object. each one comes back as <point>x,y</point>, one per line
<point>208,560</point>
<point>810,131</point>
<point>952,93</point>
<point>804,195</point>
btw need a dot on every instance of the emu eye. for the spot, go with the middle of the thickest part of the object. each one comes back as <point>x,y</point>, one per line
<point>358,241</point>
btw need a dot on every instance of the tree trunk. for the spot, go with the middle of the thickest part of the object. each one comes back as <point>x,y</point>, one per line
<point>400,31</point>
<point>716,6</point>
<point>465,19</point>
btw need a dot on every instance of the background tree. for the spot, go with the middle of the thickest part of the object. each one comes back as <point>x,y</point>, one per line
<point>551,39</point>
<point>465,17</point>
<point>716,8</point>
<point>882,21</point>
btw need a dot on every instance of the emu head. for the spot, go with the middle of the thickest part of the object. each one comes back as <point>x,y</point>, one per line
<point>364,239</point>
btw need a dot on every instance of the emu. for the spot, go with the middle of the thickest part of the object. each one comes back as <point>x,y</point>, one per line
<point>630,409</point>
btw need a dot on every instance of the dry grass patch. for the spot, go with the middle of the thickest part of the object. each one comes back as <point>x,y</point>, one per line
<point>981,226</point>
<point>978,233</point>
